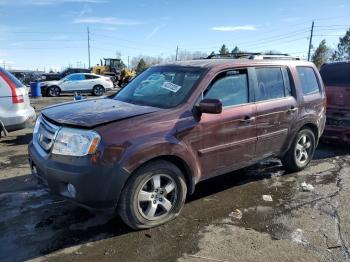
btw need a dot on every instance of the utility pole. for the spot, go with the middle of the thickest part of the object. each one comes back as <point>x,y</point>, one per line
<point>177,52</point>
<point>4,64</point>
<point>310,43</point>
<point>128,63</point>
<point>88,35</point>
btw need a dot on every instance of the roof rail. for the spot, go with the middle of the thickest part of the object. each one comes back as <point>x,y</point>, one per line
<point>254,56</point>
<point>233,55</point>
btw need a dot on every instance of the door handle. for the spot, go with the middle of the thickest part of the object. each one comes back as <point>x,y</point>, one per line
<point>247,119</point>
<point>292,110</point>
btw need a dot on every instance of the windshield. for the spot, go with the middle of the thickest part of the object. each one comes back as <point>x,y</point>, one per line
<point>164,87</point>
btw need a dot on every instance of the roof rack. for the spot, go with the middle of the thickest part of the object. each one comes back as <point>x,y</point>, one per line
<point>254,56</point>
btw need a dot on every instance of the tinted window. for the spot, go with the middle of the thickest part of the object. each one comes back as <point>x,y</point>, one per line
<point>90,77</point>
<point>230,87</point>
<point>161,86</point>
<point>76,77</point>
<point>308,80</point>
<point>11,77</point>
<point>287,84</point>
<point>336,74</point>
<point>270,84</point>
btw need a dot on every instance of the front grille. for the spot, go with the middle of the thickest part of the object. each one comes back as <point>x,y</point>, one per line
<point>46,134</point>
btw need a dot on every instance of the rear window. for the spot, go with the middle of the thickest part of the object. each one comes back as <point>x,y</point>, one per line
<point>91,77</point>
<point>308,80</point>
<point>336,74</point>
<point>11,77</point>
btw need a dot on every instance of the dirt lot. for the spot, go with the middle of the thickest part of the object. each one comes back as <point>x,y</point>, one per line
<point>226,220</point>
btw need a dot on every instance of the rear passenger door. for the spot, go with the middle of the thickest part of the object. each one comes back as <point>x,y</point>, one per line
<point>276,109</point>
<point>89,82</point>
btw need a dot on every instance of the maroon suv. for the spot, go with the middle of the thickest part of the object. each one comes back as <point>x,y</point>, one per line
<point>336,77</point>
<point>144,149</point>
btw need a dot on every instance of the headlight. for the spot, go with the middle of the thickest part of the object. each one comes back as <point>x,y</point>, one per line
<point>75,142</point>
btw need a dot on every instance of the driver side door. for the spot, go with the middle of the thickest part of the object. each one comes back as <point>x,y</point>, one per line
<point>227,141</point>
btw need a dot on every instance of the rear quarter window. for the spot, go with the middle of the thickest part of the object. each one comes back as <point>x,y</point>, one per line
<point>336,74</point>
<point>308,80</point>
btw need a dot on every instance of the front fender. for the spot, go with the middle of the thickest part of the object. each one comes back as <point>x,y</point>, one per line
<point>137,155</point>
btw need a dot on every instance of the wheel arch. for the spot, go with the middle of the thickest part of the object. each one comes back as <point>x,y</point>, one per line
<point>179,163</point>
<point>313,128</point>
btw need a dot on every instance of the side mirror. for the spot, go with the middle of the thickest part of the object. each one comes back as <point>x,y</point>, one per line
<point>210,106</point>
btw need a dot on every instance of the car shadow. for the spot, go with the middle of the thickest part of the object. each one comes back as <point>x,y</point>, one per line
<point>40,223</point>
<point>18,140</point>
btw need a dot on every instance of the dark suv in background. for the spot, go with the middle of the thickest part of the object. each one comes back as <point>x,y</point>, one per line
<point>141,151</point>
<point>336,77</point>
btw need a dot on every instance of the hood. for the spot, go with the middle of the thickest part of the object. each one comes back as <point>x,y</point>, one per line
<point>91,113</point>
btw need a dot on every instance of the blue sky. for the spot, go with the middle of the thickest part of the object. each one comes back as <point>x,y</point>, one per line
<point>48,34</point>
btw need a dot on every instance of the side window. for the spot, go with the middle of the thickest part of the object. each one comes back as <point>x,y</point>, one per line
<point>76,77</point>
<point>270,83</point>
<point>287,83</point>
<point>230,87</point>
<point>88,77</point>
<point>308,80</point>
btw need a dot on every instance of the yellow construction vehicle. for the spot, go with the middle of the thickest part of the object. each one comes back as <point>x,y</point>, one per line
<point>115,68</point>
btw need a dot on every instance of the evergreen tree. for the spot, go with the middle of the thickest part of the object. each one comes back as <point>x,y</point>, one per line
<point>224,50</point>
<point>141,66</point>
<point>321,54</point>
<point>342,53</point>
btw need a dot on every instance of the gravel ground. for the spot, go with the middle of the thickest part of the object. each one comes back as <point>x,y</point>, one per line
<point>227,219</point>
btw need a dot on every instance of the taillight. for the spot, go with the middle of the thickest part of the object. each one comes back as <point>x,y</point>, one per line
<point>17,97</point>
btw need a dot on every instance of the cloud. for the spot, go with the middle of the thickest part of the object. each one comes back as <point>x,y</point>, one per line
<point>48,2</point>
<point>105,21</point>
<point>155,31</point>
<point>87,9</point>
<point>233,28</point>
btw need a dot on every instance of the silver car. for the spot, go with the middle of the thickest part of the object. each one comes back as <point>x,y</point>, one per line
<point>15,110</point>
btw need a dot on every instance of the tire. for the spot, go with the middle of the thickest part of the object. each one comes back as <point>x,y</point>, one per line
<point>98,90</point>
<point>301,151</point>
<point>154,206</point>
<point>53,91</point>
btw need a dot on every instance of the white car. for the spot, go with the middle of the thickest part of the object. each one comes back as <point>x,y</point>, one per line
<point>15,110</point>
<point>80,82</point>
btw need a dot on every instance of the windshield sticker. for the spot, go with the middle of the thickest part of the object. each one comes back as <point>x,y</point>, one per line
<point>171,87</point>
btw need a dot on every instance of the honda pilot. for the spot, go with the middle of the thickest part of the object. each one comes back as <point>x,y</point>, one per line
<point>143,150</point>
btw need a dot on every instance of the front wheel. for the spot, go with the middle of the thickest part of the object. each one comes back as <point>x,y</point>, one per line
<point>53,91</point>
<point>154,195</point>
<point>301,151</point>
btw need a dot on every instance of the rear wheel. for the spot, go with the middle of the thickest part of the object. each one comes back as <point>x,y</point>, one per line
<point>154,195</point>
<point>53,91</point>
<point>98,90</point>
<point>301,152</point>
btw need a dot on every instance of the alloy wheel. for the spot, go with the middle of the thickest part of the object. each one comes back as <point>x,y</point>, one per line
<point>303,149</point>
<point>157,197</point>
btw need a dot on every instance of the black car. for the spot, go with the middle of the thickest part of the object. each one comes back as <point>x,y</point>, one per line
<point>68,71</point>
